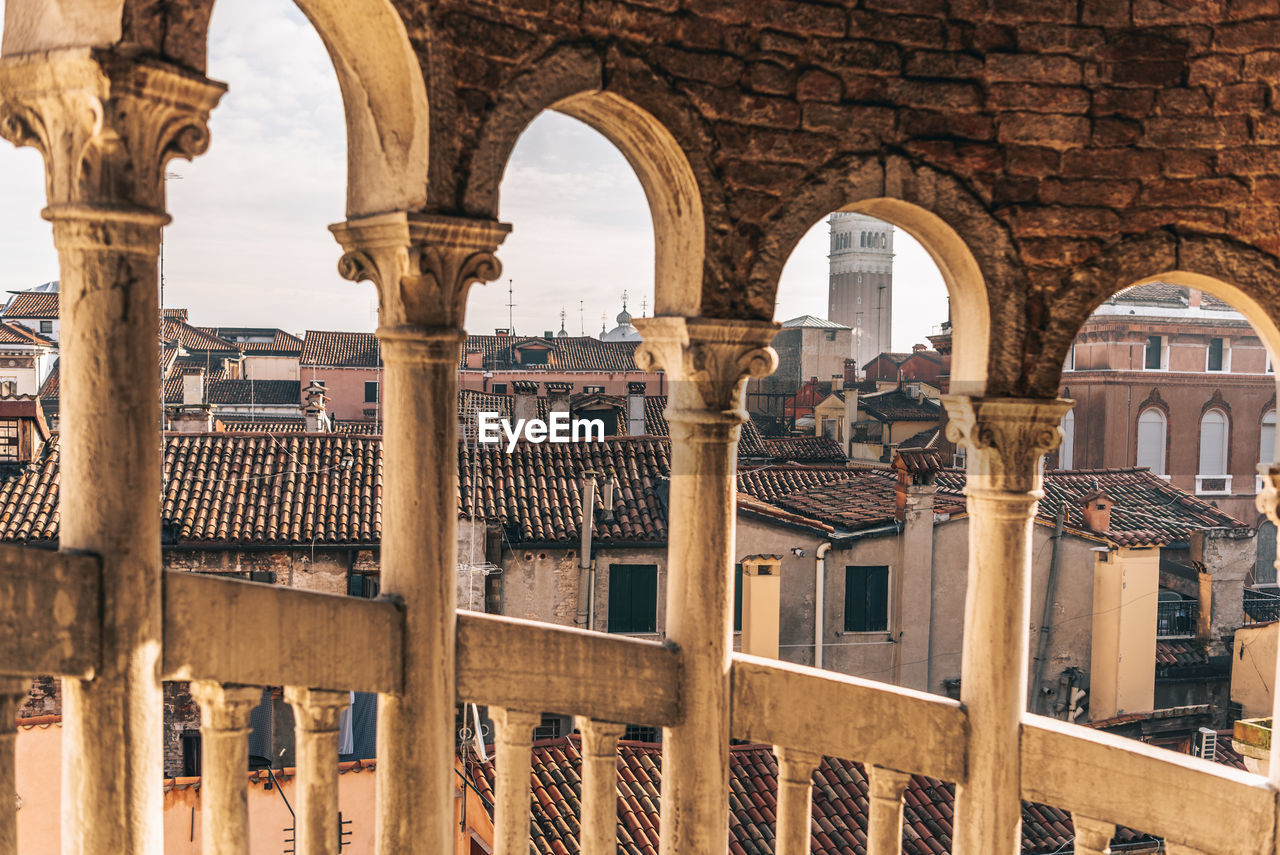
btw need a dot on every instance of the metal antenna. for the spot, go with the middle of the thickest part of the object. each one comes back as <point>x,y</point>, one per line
<point>582,323</point>
<point>644,307</point>
<point>511,323</point>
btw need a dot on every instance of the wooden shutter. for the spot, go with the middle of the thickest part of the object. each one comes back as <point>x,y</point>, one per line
<point>633,598</point>
<point>866,598</point>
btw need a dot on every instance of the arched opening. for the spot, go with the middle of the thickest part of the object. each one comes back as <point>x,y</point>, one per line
<point>1067,450</point>
<point>1215,434</point>
<point>1152,440</point>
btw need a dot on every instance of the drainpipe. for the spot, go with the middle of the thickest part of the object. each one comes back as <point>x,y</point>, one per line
<point>586,572</point>
<point>1035,701</point>
<point>819,597</point>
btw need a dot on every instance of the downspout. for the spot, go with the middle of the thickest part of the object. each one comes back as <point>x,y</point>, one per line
<point>1035,696</point>
<point>819,600</point>
<point>586,572</point>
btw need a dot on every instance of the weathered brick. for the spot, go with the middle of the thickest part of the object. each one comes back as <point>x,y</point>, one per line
<point>1051,131</point>
<point>1058,252</point>
<point>1214,70</point>
<point>1113,131</point>
<point>1249,161</point>
<point>760,175</point>
<point>861,124</point>
<point>1155,73</point>
<point>1031,160</point>
<point>861,56</point>
<point>1112,163</point>
<point>1240,98</point>
<point>795,16</point>
<point>1247,35</point>
<point>932,63</point>
<point>1038,99</point>
<point>1056,38</point>
<point>1133,103</point>
<point>817,85</point>
<point>1104,12</point>
<point>770,78</point>
<point>1034,68</point>
<point>905,30</point>
<point>764,110</point>
<point>936,8</point>
<point>933,93</point>
<point>1266,129</point>
<point>928,123</point>
<point>1205,191</point>
<point>1057,219</point>
<point>1147,12</point>
<point>1015,191</point>
<point>1182,102</point>
<point>1108,194</point>
<point>1135,219</point>
<point>718,69</point>
<point>1261,65</point>
<point>1187,164</point>
<point>1196,132</point>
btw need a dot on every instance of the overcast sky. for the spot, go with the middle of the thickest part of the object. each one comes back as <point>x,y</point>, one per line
<point>249,243</point>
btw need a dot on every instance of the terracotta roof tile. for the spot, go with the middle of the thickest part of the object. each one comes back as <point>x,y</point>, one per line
<point>340,349</point>
<point>12,332</point>
<point>840,804</point>
<point>33,304</point>
<point>195,338</point>
<point>1180,653</point>
<point>896,405</point>
<point>281,343</point>
<point>227,392</point>
<point>803,449</point>
<point>1148,511</point>
<point>570,353</point>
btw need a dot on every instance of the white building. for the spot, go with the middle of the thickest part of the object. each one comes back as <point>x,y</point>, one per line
<point>860,295</point>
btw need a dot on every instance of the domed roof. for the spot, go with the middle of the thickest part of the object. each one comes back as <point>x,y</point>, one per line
<point>624,317</point>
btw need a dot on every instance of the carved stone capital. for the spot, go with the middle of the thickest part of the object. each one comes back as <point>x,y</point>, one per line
<point>1269,496</point>
<point>316,710</point>
<point>107,125</point>
<point>1004,439</point>
<point>599,738</point>
<point>225,706</point>
<point>423,266</point>
<point>708,361</point>
<point>796,766</point>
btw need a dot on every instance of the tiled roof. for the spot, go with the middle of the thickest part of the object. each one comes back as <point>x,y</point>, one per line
<point>195,338</point>
<point>927,438</point>
<point>341,349</point>
<point>274,424</point>
<point>804,449</point>
<point>811,322</point>
<point>52,386</point>
<point>896,405</point>
<point>1148,511</point>
<point>1180,653</point>
<point>899,357</point>
<point>840,805</point>
<point>15,333</point>
<point>750,441</point>
<point>771,483</point>
<point>229,488</point>
<point>1164,294</point>
<point>281,342</point>
<point>33,304</point>
<point>534,492</point>
<point>570,353</point>
<point>225,392</point>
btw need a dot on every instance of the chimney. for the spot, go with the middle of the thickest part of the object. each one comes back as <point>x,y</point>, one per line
<point>1194,297</point>
<point>558,396</point>
<point>191,418</point>
<point>193,388</point>
<point>526,403</point>
<point>636,424</point>
<point>314,411</point>
<point>475,359</point>
<point>850,373</point>
<point>1095,507</point>
<point>918,348</point>
<point>761,591</point>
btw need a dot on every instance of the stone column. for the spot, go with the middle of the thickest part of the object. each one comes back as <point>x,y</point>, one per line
<point>598,826</point>
<point>13,691</point>
<point>107,125</point>
<point>1093,836</point>
<point>316,715</point>
<point>224,765</point>
<point>708,363</point>
<point>1005,438</point>
<point>1268,502</point>
<point>795,799</point>
<point>512,770</point>
<point>423,267</point>
<point>885,788</point>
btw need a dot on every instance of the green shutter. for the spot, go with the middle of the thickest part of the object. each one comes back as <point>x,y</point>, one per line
<point>866,598</point>
<point>737,598</point>
<point>633,598</point>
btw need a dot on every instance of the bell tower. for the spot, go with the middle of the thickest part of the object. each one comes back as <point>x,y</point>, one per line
<point>860,292</point>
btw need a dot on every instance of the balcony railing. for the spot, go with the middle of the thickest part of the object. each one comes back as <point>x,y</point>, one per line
<point>1260,606</point>
<point>1177,619</point>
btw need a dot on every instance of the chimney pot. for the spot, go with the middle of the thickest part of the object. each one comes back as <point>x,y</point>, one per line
<point>1095,507</point>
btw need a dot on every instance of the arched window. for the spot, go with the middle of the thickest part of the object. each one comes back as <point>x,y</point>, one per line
<point>1264,571</point>
<point>1151,439</point>
<point>1067,451</point>
<point>1267,445</point>
<point>1213,443</point>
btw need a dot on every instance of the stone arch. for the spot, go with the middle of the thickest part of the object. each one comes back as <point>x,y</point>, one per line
<point>1242,275</point>
<point>971,249</point>
<point>572,80</point>
<point>383,91</point>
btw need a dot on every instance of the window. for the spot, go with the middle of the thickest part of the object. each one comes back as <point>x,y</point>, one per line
<point>866,599</point>
<point>830,335</point>
<point>737,598</point>
<point>363,585</point>
<point>1067,451</point>
<point>371,392</point>
<point>1151,439</point>
<point>8,439</point>
<point>533,356</point>
<point>499,388</point>
<point>1264,572</point>
<point>1071,359</point>
<point>633,598</point>
<point>1154,360</point>
<point>549,728</point>
<point>593,390</point>
<point>46,326</point>
<point>1215,359</point>
<point>191,753</point>
<point>1213,443</point>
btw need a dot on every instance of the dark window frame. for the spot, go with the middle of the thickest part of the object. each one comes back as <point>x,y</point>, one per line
<point>371,386</point>
<point>1158,341</point>
<point>633,598</point>
<point>1216,361</point>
